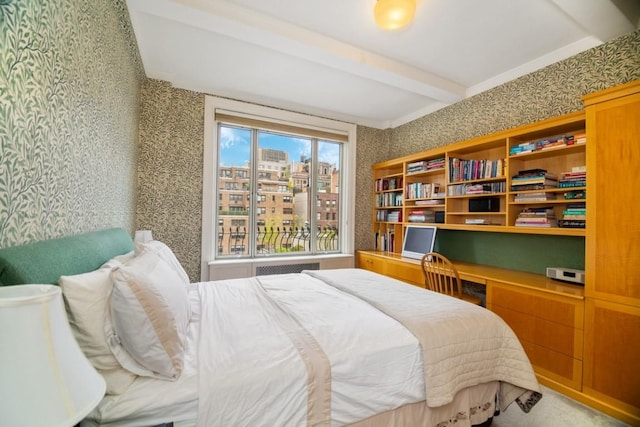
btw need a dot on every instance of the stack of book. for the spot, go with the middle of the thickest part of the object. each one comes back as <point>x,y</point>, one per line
<point>537,217</point>
<point>425,165</point>
<point>421,216</point>
<point>434,164</point>
<point>394,216</point>
<point>575,194</point>
<point>533,179</point>
<point>577,177</point>
<point>430,202</point>
<point>574,216</point>
<point>477,221</point>
<point>538,196</point>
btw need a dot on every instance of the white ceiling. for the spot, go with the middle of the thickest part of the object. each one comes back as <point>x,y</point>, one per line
<point>328,58</point>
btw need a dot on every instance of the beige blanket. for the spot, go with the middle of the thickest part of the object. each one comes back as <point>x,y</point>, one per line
<point>463,344</point>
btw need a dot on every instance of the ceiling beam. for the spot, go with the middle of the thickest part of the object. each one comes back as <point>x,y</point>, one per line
<point>231,20</point>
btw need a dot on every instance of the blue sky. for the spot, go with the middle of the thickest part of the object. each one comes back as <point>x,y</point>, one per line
<point>236,143</point>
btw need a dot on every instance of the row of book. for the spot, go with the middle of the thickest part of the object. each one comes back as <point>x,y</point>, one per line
<point>574,215</point>
<point>388,199</point>
<point>389,216</point>
<point>484,188</point>
<point>537,217</point>
<point>533,179</point>
<point>384,241</point>
<point>425,165</point>
<point>577,177</point>
<point>385,184</point>
<point>425,215</point>
<point>548,143</point>
<point>469,170</point>
<point>421,190</point>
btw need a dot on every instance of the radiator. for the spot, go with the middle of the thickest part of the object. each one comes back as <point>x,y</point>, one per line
<point>286,268</point>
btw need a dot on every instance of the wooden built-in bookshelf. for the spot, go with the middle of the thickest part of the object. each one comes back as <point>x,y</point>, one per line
<point>444,186</point>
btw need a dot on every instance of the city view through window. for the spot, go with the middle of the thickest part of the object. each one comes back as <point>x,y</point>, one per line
<point>277,193</point>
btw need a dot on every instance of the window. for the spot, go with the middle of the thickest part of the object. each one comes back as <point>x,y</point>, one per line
<point>293,158</point>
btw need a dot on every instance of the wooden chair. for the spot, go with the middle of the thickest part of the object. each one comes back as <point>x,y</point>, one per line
<point>440,275</point>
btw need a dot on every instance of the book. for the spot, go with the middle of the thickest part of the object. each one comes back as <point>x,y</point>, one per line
<point>477,221</point>
<point>572,223</point>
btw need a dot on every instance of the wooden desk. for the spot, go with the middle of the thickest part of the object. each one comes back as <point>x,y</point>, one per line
<point>546,315</point>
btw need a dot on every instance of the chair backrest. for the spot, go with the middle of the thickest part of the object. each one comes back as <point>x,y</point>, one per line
<point>440,275</point>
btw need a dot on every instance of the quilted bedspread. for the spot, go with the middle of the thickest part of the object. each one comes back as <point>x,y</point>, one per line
<point>462,344</point>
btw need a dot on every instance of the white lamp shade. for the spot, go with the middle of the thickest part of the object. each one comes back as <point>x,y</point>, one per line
<point>45,379</point>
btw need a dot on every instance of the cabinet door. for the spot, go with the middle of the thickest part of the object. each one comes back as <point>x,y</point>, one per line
<point>612,358</point>
<point>371,263</point>
<point>549,327</point>
<point>613,180</point>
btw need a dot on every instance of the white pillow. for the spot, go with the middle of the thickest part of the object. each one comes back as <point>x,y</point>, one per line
<point>166,254</point>
<point>150,314</point>
<point>86,296</point>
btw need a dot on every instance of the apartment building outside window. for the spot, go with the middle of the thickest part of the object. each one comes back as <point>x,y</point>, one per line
<point>289,169</point>
<point>276,228</point>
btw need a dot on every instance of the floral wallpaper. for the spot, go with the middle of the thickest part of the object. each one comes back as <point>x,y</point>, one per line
<point>70,77</point>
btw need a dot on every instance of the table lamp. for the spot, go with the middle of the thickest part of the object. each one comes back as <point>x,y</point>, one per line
<point>45,379</point>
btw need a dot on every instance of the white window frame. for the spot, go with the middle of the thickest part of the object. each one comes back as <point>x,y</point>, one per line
<point>209,199</point>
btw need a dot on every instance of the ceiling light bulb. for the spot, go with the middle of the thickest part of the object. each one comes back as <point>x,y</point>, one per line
<point>394,14</point>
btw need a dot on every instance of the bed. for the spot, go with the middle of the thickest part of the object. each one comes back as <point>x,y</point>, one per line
<point>317,348</point>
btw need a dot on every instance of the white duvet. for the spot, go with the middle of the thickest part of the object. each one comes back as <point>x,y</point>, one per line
<point>298,352</point>
<point>327,348</point>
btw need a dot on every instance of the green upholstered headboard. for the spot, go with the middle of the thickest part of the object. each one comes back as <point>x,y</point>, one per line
<point>47,260</point>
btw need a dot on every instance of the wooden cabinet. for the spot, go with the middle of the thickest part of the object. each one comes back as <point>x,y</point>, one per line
<point>586,347</point>
<point>612,267</point>
<point>371,263</point>
<point>392,265</point>
<point>550,327</point>
<point>469,185</point>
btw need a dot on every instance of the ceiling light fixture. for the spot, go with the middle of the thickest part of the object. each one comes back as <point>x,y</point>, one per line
<point>394,14</point>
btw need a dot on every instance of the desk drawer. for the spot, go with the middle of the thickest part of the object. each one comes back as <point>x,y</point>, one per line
<point>552,307</point>
<point>544,333</point>
<point>549,326</point>
<point>410,273</point>
<point>554,366</point>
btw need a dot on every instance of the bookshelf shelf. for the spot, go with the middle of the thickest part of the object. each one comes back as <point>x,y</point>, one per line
<point>472,172</point>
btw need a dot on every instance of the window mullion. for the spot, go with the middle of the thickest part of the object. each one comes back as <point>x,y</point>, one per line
<point>253,195</point>
<point>313,195</point>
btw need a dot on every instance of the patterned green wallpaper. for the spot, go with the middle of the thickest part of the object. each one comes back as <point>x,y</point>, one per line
<point>70,79</point>
<point>170,170</point>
